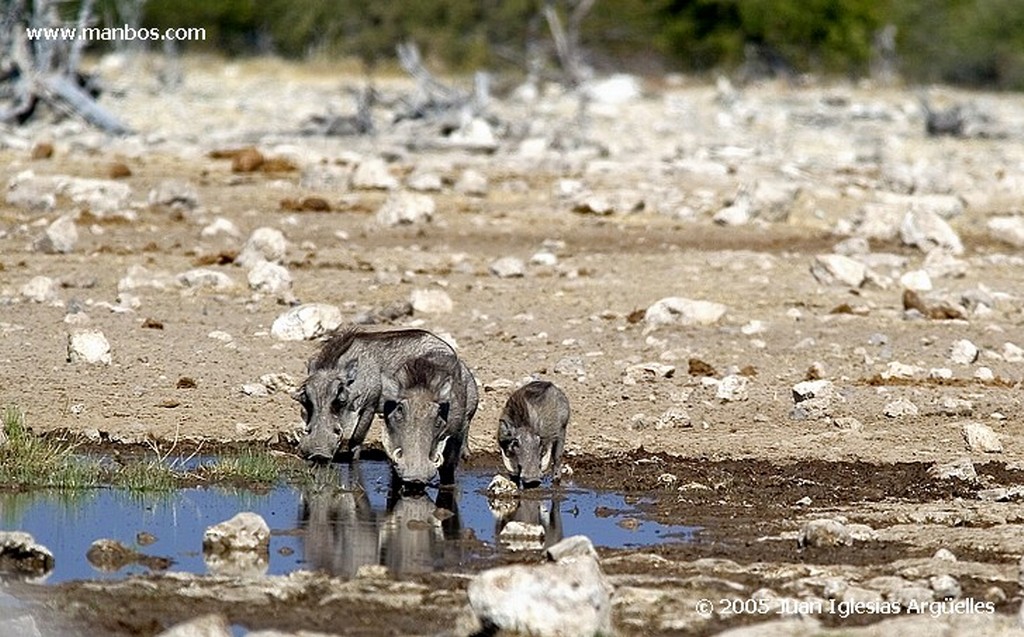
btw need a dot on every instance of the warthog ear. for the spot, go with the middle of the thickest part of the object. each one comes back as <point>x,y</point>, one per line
<point>389,388</point>
<point>444,392</point>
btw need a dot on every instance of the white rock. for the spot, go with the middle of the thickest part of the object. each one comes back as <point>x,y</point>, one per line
<point>1012,353</point>
<point>945,586</point>
<point>984,373</point>
<point>916,280</point>
<point>264,244</point>
<point>824,533</point>
<point>246,531</point>
<point>306,322</point>
<point>896,369</point>
<point>980,437</point>
<point>471,182</point>
<point>646,372</point>
<point>732,388</point>
<point>508,267</point>
<point>269,278</point>
<point>737,214</point>
<point>60,236</point>
<point>963,352</point>
<point>675,310</point>
<point>212,625</point>
<point>926,231</point>
<point>325,177</point>
<point>100,196</point>
<point>475,134</point>
<point>544,258</point>
<point>373,174</point>
<point>22,548</point>
<point>854,246</point>
<point>139,277</point>
<point>596,204</point>
<point>406,208</point>
<point>500,486</point>
<point>614,90</point>
<point>836,269</point>
<point>88,346</point>
<point>431,301</point>
<point>942,265</point>
<point>1008,229</point>
<point>962,469</point>
<point>174,192</point>
<point>204,278</point>
<point>424,182</point>
<point>809,389</point>
<point>899,408</point>
<point>41,289</point>
<point>25,190</point>
<point>772,200</point>
<point>566,598</point>
<point>521,530</point>
<point>220,225</point>
<point>944,555</point>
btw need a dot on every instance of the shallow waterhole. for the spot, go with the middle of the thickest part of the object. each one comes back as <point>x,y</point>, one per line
<point>347,518</point>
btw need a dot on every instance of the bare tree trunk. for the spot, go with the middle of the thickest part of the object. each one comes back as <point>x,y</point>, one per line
<point>46,70</point>
<point>567,42</point>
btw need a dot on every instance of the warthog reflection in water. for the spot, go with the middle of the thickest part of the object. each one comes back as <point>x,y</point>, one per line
<point>412,533</point>
<point>526,523</point>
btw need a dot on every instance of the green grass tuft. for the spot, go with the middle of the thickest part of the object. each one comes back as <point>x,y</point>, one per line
<point>146,475</point>
<point>248,466</point>
<point>30,461</point>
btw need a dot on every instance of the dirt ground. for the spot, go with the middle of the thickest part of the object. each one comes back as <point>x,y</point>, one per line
<point>738,467</point>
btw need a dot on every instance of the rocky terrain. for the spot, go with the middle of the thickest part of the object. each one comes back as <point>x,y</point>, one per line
<point>768,305</point>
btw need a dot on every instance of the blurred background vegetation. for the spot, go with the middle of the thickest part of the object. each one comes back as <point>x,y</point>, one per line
<point>976,43</point>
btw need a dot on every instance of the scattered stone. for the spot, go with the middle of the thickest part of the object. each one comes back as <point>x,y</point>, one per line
<point>20,555</point>
<point>732,388</point>
<point>212,625</point>
<point>896,369</point>
<point>940,311</point>
<point>508,267</point>
<point>646,372</point>
<point>41,289</point>
<point>475,135</point>
<point>984,374</point>
<point>139,277</point>
<point>406,208</point>
<point>900,408</point>
<point>174,193</point>
<point>836,269</point>
<point>424,182</point>
<point>518,531</point>
<point>980,437</point>
<point>42,150</point>
<point>697,367</point>
<point>88,346</point>
<point>613,90</point>
<point>118,170</point>
<point>59,238</point>
<point>220,225</point>
<point>431,301</point>
<point>737,214</point>
<point>306,322</point>
<point>925,230</point>
<point>571,366</point>
<point>544,258</point>
<point>950,406</point>
<point>824,533</point>
<point>962,469</point>
<point>916,280</point>
<point>500,486</point>
<point>246,531</point>
<point>204,278</point>
<point>565,597</point>
<point>812,399</point>
<point>847,423</point>
<point>674,310</point>
<point>944,555</point>
<point>1008,229</point>
<point>246,160</point>
<point>111,556</point>
<point>472,182</point>
<point>945,587</point>
<point>269,278</point>
<point>1012,353</point>
<point>264,244</point>
<point>325,177</point>
<point>963,352</point>
<point>373,174</point>
<point>854,246</point>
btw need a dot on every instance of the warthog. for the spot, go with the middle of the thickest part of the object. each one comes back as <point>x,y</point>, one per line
<point>531,432</point>
<point>342,391</point>
<point>428,404</point>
